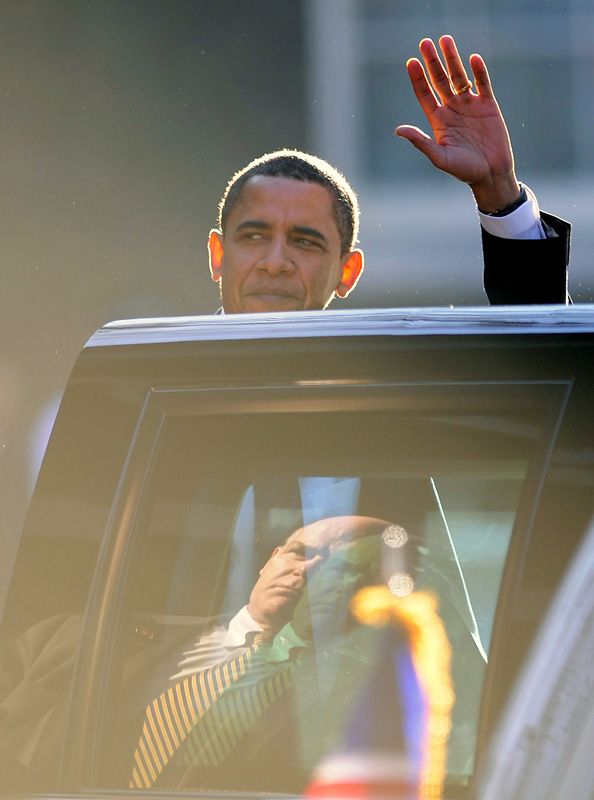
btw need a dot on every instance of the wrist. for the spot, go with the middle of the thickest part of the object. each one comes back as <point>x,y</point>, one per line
<point>504,212</point>
<point>522,222</point>
<point>496,195</point>
<point>266,622</point>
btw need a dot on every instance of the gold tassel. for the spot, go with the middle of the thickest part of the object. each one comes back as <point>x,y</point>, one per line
<point>431,655</point>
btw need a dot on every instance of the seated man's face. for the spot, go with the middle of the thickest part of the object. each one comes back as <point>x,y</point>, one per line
<point>315,573</point>
<point>281,249</point>
<point>322,611</point>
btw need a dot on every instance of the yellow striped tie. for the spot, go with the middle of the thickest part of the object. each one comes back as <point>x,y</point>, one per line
<point>195,711</point>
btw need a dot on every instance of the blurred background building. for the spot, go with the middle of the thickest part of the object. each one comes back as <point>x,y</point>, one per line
<point>121,121</point>
<point>418,228</point>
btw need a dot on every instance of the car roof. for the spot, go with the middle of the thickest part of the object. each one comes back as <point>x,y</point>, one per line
<point>546,319</point>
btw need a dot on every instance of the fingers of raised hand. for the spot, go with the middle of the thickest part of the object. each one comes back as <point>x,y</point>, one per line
<point>481,76</point>
<point>440,78</point>
<point>449,77</point>
<point>421,86</point>
<point>296,579</point>
<point>309,565</point>
<point>458,76</point>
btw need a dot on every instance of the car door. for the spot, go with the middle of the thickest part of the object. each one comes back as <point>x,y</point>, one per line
<point>469,446</point>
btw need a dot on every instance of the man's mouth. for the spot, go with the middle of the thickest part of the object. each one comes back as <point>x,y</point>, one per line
<point>265,291</point>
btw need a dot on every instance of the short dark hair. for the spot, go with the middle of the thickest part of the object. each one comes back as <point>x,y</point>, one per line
<point>300,167</point>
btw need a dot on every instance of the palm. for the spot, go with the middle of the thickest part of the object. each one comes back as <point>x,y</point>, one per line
<point>471,138</point>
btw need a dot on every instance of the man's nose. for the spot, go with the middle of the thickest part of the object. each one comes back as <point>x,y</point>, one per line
<point>277,258</point>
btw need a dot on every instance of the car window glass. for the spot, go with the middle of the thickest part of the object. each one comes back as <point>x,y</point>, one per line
<point>448,473</point>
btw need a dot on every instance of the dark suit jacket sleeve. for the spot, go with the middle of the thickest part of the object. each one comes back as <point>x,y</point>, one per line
<point>520,271</point>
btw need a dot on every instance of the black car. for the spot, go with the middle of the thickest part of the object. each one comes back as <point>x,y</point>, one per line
<point>188,450</point>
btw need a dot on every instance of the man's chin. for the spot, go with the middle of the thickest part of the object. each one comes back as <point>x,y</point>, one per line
<point>267,303</point>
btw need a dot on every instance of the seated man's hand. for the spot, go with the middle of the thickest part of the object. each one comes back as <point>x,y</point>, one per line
<point>279,587</point>
<point>470,141</point>
<point>310,578</point>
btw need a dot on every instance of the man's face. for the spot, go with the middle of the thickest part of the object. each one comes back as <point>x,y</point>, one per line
<point>351,563</point>
<point>281,249</point>
<point>329,557</point>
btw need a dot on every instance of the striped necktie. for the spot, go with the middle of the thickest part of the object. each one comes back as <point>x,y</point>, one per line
<point>202,714</point>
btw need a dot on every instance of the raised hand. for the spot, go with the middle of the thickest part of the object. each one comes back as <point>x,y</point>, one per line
<point>470,139</point>
<point>279,586</point>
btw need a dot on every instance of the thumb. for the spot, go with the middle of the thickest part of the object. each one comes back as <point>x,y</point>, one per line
<point>422,142</point>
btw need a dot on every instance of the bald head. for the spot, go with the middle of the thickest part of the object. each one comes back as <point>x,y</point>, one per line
<point>347,543</point>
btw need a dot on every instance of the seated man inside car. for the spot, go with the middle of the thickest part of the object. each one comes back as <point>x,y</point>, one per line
<point>256,703</point>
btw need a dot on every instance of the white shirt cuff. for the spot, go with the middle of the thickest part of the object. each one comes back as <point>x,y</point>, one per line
<point>240,626</point>
<point>523,223</point>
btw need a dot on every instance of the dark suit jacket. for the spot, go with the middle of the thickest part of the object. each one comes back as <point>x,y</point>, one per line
<point>35,680</point>
<point>528,271</point>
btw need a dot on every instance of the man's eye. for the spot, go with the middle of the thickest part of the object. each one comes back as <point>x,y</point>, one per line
<point>308,243</point>
<point>250,236</point>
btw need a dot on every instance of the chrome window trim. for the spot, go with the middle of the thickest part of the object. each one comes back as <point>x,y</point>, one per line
<point>550,319</point>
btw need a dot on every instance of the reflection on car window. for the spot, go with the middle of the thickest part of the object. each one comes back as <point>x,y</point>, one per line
<point>261,532</point>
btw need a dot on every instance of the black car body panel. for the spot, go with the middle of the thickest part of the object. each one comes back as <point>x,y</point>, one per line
<point>139,387</point>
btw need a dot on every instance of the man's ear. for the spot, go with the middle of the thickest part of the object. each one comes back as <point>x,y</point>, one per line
<point>352,267</point>
<point>215,253</point>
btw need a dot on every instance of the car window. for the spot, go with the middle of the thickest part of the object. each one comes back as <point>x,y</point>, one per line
<point>449,473</point>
